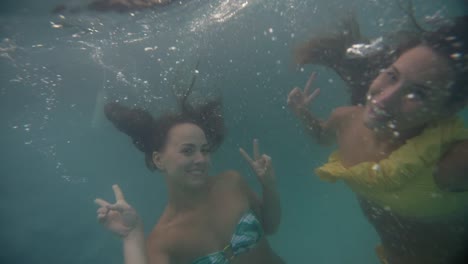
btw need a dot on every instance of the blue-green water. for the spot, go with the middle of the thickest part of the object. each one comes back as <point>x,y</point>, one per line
<point>58,152</point>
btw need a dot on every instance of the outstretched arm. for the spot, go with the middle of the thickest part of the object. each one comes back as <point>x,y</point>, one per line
<point>269,206</point>
<point>123,220</point>
<point>134,248</point>
<point>323,132</point>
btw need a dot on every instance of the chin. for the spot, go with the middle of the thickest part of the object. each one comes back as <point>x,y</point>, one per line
<point>198,181</point>
<point>371,123</point>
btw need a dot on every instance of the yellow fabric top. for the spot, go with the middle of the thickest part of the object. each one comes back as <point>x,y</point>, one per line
<point>404,182</point>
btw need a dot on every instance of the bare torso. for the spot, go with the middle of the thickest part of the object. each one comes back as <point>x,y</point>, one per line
<point>209,227</point>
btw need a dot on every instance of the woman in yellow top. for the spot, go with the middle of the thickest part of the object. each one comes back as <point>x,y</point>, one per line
<point>404,153</point>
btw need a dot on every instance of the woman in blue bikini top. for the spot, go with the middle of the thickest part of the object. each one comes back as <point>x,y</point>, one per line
<point>208,219</point>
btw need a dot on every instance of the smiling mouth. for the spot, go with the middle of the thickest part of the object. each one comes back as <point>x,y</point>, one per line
<point>197,171</point>
<point>379,112</point>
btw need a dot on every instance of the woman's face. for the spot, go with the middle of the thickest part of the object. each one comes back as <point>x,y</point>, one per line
<point>186,157</point>
<point>410,93</point>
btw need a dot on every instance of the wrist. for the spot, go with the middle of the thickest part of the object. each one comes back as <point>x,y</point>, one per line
<point>269,185</point>
<point>135,234</point>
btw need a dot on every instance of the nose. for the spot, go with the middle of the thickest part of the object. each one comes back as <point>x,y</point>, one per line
<point>200,157</point>
<point>388,97</point>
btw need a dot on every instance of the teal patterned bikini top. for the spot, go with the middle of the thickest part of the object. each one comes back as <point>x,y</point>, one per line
<point>248,232</point>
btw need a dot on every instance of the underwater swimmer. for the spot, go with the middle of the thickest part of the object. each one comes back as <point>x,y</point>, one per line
<point>208,219</point>
<point>405,152</point>
<point>355,58</point>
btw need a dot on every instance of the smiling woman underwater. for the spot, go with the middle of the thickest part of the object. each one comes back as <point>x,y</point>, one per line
<point>204,213</point>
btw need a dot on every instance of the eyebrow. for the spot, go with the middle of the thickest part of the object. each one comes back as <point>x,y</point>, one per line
<point>420,85</point>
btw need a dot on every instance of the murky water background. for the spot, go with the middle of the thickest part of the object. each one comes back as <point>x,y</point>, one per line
<point>58,152</point>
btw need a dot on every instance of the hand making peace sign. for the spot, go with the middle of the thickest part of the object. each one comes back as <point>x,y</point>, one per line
<point>120,217</point>
<point>260,164</point>
<point>299,100</point>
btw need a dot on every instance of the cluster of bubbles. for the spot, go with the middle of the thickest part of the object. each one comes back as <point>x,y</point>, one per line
<point>157,38</point>
<point>100,39</point>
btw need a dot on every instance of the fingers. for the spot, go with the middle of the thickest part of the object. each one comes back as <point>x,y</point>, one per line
<point>101,218</point>
<point>101,202</point>
<point>309,82</point>
<point>119,206</point>
<point>256,151</point>
<point>266,158</point>
<point>106,207</point>
<point>312,96</point>
<point>118,196</point>
<point>102,210</point>
<point>246,156</point>
<point>294,92</point>
<point>118,193</point>
<point>102,214</point>
<point>297,93</point>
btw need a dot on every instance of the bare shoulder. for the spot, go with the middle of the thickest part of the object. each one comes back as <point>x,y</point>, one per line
<point>340,113</point>
<point>237,185</point>
<point>341,116</point>
<point>157,248</point>
<point>233,182</point>
<point>229,178</point>
<point>451,174</point>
